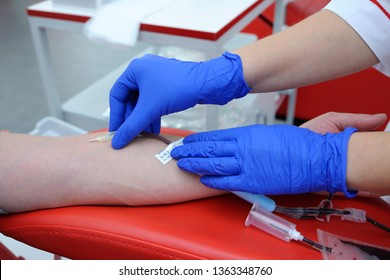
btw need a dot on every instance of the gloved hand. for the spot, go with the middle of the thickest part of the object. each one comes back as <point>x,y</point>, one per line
<point>276,159</point>
<point>154,86</point>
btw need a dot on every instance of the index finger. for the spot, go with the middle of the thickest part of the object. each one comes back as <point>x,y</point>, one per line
<point>139,120</point>
<point>216,135</point>
<point>121,95</point>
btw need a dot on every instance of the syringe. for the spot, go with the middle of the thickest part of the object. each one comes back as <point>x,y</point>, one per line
<point>278,227</point>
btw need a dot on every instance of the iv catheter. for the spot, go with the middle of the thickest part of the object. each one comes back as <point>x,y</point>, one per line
<point>109,135</point>
<point>106,137</point>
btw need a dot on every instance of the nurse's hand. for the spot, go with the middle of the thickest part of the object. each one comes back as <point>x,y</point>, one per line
<point>276,159</point>
<point>153,86</point>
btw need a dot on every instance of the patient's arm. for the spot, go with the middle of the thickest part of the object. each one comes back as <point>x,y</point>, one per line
<point>43,172</point>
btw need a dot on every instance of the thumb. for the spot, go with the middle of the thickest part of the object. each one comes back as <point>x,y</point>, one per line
<point>366,122</point>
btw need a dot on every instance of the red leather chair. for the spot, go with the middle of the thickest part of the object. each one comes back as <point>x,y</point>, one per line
<point>211,228</point>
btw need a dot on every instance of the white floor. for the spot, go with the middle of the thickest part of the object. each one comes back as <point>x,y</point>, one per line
<point>20,249</point>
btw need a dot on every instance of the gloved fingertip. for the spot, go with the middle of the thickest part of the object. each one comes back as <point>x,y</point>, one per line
<point>114,122</point>
<point>209,182</point>
<point>186,139</point>
<point>181,164</point>
<point>118,141</point>
<point>204,180</point>
<point>116,145</point>
<point>176,153</point>
<point>156,126</point>
<point>184,165</point>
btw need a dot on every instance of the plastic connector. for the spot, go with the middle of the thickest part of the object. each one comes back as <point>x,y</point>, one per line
<point>272,224</point>
<point>105,138</point>
<point>262,201</point>
<point>356,215</point>
<point>279,227</point>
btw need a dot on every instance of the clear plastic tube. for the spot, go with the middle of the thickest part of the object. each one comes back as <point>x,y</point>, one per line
<point>106,137</point>
<point>261,201</point>
<point>272,224</point>
<point>279,227</point>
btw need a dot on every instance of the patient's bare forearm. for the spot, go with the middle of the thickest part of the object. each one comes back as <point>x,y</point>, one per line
<point>368,162</point>
<point>44,172</point>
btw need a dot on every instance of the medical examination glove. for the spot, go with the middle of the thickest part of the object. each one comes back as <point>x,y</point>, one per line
<point>153,86</point>
<point>276,159</point>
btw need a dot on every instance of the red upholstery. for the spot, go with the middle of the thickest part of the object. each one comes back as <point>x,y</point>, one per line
<point>298,10</point>
<point>205,229</point>
<point>211,228</point>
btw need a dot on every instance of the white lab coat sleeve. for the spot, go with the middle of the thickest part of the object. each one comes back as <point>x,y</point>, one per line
<point>371,20</point>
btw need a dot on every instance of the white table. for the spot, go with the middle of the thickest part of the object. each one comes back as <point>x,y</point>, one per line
<point>204,25</point>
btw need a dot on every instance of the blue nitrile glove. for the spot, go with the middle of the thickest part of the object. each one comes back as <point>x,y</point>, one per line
<point>274,159</point>
<point>153,86</point>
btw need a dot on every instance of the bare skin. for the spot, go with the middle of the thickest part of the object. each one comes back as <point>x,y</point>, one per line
<point>44,172</point>
<point>320,48</point>
<point>368,162</point>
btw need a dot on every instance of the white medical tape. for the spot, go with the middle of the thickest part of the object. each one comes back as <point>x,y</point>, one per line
<point>165,155</point>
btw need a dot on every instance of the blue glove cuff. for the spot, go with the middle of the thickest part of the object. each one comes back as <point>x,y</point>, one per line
<point>337,154</point>
<point>238,81</point>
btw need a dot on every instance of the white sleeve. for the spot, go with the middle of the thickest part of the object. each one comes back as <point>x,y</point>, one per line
<point>371,20</point>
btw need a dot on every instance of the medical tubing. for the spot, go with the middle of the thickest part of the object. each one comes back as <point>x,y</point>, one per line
<point>156,136</point>
<point>376,223</point>
<point>317,246</point>
<point>308,212</point>
<point>349,214</point>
